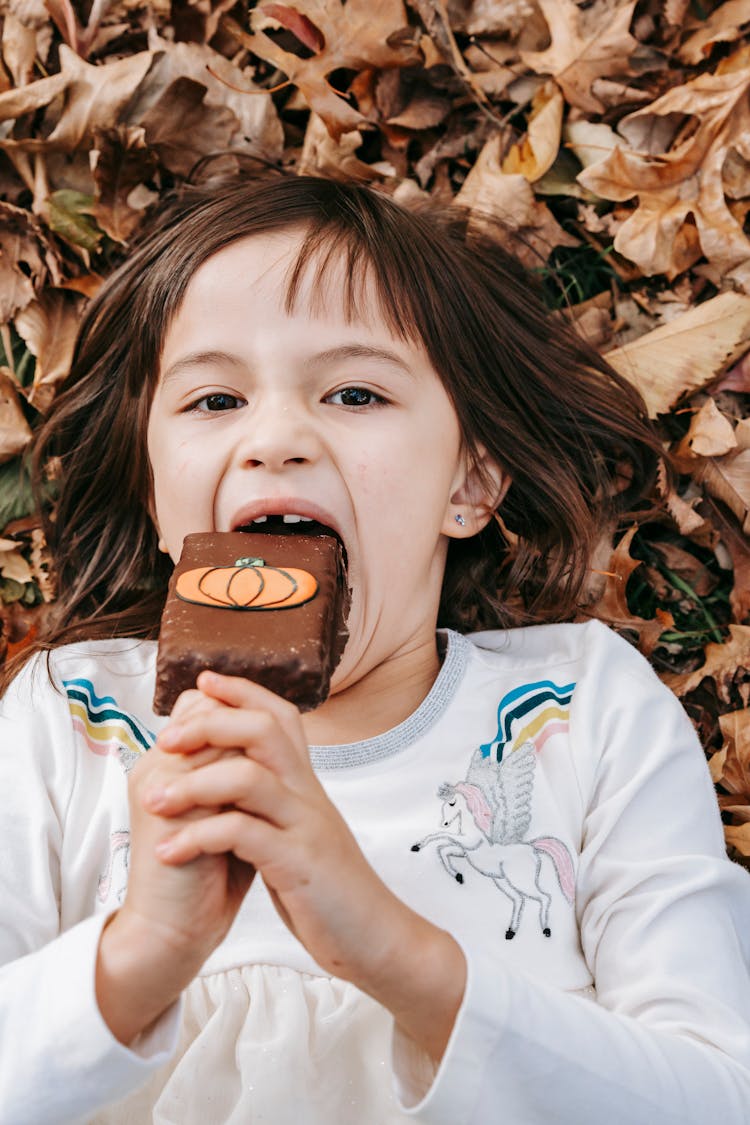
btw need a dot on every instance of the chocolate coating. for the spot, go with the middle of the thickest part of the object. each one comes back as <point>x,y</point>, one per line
<point>292,650</point>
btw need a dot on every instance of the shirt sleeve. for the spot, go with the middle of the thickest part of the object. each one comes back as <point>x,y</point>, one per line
<point>664,919</point>
<point>59,1061</point>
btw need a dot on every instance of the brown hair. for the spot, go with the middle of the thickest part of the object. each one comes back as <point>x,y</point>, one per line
<point>545,405</point>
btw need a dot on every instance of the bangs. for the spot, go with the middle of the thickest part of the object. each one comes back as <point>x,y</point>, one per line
<point>348,269</point>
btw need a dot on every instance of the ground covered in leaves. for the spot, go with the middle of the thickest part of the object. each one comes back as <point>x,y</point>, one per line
<point>612,137</point>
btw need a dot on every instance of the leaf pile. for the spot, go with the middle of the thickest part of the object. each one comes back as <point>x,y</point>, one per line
<point>612,137</point>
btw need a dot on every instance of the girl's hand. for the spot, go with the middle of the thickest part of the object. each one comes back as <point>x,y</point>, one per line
<point>172,918</point>
<point>268,809</point>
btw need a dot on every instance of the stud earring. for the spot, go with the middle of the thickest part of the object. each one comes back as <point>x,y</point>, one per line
<point>460,520</point>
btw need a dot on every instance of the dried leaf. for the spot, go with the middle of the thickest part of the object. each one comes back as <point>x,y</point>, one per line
<point>323,156</point>
<point>15,433</point>
<point>356,36</point>
<point>728,479</point>
<point>12,563</point>
<point>532,230</point>
<point>49,326</point>
<point>584,47</point>
<point>535,153</point>
<point>723,663</point>
<point>687,353</point>
<point>182,129</point>
<point>612,606</point>
<point>724,25</point>
<point>27,259</point>
<point>730,767</point>
<point>738,837</point>
<point>710,434</point>
<point>677,175</point>
<point>122,162</point>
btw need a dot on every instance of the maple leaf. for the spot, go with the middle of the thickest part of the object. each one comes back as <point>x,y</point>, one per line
<point>49,327</point>
<point>577,56</point>
<point>612,606</point>
<point>676,171</point>
<point>358,35</point>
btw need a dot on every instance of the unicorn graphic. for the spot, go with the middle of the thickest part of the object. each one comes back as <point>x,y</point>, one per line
<point>119,849</point>
<point>486,817</point>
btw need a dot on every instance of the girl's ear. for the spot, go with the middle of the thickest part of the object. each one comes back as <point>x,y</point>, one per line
<point>479,488</point>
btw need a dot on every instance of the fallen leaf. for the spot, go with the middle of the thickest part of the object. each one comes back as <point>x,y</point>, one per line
<point>730,766</point>
<point>584,46</point>
<point>728,479</point>
<point>182,129</point>
<point>738,837</point>
<point>70,215</point>
<point>682,511</point>
<point>612,607</point>
<point>15,433</point>
<point>535,153</point>
<point>723,663</point>
<point>337,160</point>
<point>27,259</point>
<point>122,161</point>
<point>19,48</point>
<point>49,327</point>
<point>723,25</point>
<point>531,230</point>
<point>710,434</point>
<point>687,353</point>
<point>12,563</point>
<point>737,378</point>
<point>676,173</point>
<point>355,36</point>
<point>738,550</point>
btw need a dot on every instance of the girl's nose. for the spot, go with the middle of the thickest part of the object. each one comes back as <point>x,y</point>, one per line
<point>278,436</point>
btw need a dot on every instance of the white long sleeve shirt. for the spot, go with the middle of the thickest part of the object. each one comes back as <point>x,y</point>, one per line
<point>548,804</point>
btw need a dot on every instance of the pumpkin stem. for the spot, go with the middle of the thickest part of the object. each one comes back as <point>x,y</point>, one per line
<point>250,562</point>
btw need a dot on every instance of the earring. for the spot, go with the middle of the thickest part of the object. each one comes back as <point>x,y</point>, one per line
<point>460,520</point>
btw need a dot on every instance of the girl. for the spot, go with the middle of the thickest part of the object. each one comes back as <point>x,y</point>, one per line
<point>484,881</point>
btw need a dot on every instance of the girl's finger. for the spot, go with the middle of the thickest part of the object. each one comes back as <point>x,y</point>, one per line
<point>236,781</point>
<point>249,838</point>
<point>236,691</point>
<point>189,702</point>
<point>256,732</point>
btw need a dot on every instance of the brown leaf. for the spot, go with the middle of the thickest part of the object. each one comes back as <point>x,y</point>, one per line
<point>612,606</point>
<point>535,153</point>
<point>182,129</point>
<point>738,838</point>
<point>676,173</point>
<point>724,25</point>
<point>27,259</point>
<point>730,766</point>
<point>723,663</point>
<point>584,47</point>
<point>12,563</point>
<point>49,326</point>
<point>711,434</point>
<point>739,552</point>
<point>15,433</point>
<point>323,156</point>
<point>123,161</point>
<point>687,520</point>
<point>532,230</point>
<point>356,36</point>
<point>687,353</point>
<point>19,49</point>
<point>95,98</point>
<point>728,479</point>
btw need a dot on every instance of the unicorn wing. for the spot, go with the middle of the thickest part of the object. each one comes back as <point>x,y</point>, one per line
<point>513,784</point>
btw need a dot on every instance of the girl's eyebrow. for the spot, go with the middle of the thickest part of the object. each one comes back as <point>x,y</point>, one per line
<point>357,351</point>
<point>330,355</point>
<point>200,359</point>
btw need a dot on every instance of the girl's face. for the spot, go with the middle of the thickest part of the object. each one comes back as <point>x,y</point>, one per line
<point>259,413</point>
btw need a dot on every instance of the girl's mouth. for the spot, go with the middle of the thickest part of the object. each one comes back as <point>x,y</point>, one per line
<point>289,524</point>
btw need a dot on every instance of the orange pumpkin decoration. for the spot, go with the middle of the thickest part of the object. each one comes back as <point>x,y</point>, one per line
<point>249,584</point>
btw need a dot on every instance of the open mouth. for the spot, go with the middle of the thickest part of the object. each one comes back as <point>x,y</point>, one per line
<point>290,525</point>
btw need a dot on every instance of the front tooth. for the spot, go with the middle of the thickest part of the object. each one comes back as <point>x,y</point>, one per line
<point>292,519</point>
<point>260,519</point>
<point>306,519</point>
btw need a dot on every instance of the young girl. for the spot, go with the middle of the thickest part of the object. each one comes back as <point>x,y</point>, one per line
<point>485,881</point>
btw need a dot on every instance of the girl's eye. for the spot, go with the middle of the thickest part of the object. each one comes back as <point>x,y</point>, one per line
<point>218,401</point>
<point>355,396</point>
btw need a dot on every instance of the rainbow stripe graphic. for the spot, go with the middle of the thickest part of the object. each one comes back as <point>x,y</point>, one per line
<point>530,713</point>
<point>103,726</point>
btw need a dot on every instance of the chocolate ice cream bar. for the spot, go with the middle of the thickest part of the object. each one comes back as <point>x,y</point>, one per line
<point>271,608</point>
